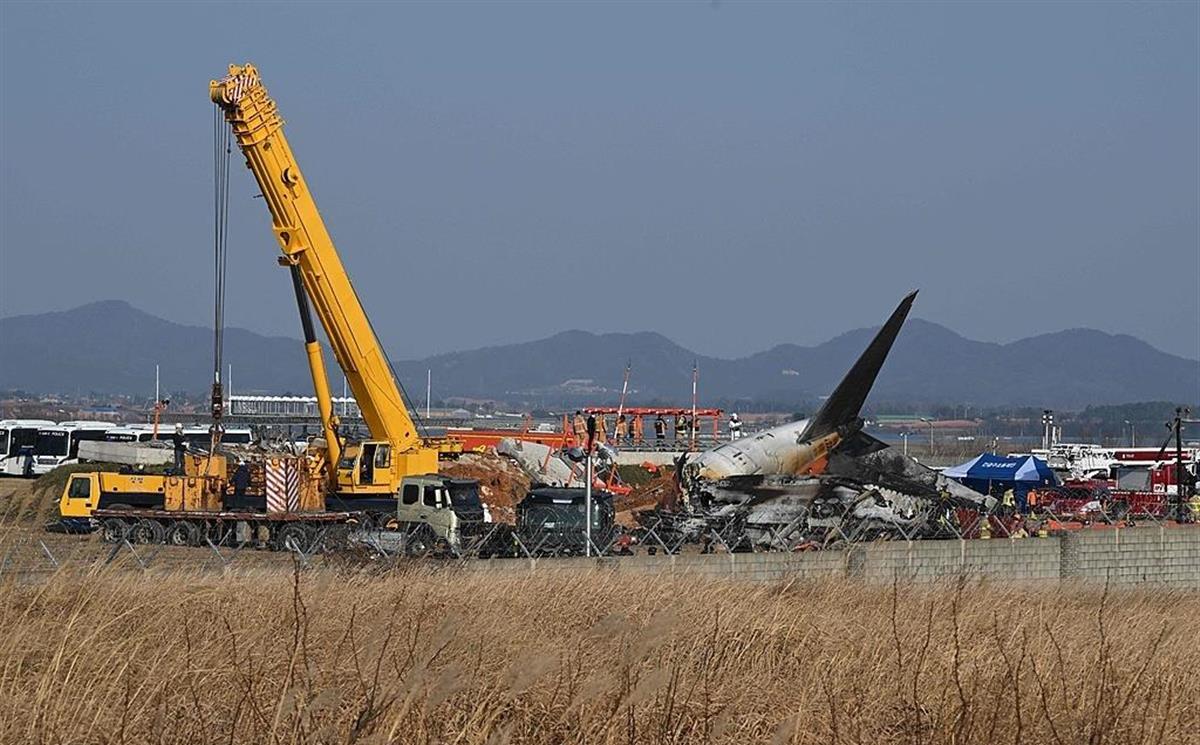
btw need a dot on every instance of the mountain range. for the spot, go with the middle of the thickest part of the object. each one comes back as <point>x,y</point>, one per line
<point>111,347</point>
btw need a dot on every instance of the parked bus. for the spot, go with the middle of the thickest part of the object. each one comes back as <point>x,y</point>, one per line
<point>197,438</point>
<point>16,434</point>
<point>58,445</point>
<point>130,433</point>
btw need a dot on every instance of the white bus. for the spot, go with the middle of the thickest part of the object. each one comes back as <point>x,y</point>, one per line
<point>196,437</point>
<point>16,434</point>
<point>199,438</point>
<point>58,445</point>
<point>131,433</point>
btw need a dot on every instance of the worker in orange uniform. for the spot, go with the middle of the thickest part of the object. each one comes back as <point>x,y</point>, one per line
<point>636,433</point>
<point>601,429</point>
<point>622,431</point>
<point>579,426</point>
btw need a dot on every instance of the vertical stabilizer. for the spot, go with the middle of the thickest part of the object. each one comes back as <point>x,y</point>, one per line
<point>843,406</point>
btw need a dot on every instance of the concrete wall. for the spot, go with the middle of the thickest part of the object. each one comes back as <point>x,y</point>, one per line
<point>1129,555</point>
<point>1168,554</point>
<point>1009,559</point>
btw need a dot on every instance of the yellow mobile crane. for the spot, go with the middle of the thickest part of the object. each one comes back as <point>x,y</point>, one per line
<point>388,481</point>
<point>358,469</point>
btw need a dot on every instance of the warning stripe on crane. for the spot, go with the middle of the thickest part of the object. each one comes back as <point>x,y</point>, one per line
<point>283,485</point>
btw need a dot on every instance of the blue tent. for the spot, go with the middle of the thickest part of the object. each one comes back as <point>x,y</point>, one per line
<point>989,471</point>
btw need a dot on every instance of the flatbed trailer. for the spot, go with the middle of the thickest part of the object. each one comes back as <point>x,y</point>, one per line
<point>304,531</point>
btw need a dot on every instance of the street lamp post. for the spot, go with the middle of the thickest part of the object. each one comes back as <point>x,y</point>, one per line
<point>1047,428</point>
<point>1132,434</point>
<point>587,488</point>
<point>930,423</point>
<point>905,436</point>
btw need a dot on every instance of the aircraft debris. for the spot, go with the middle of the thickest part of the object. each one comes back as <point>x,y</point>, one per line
<point>820,480</point>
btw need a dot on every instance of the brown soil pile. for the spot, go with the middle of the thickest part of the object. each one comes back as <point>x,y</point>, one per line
<point>502,483</point>
<point>659,491</point>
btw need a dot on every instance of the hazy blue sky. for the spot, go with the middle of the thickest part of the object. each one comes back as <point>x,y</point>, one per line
<point>733,175</point>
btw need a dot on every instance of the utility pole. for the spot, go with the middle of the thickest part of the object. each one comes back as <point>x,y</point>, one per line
<point>1184,483</point>
<point>695,380</point>
<point>428,390</point>
<point>587,487</point>
<point>621,402</point>
<point>1132,434</point>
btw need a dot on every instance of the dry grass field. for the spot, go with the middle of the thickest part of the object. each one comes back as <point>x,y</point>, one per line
<point>266,653</point>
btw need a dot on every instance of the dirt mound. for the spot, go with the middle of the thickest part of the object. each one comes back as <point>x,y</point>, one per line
<point>502,483</point>
<point>659,491</point>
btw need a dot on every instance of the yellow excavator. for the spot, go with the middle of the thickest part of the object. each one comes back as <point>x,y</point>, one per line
<point>377,466</point>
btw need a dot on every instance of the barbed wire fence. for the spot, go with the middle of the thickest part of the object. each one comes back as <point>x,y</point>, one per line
<point>561,532</point>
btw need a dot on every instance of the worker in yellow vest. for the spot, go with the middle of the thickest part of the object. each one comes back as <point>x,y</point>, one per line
<point>1010,501</point>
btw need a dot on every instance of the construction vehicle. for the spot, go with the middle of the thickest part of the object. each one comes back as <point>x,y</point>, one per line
<point>197,507</point>
<point>552,521</point>
<point>369,474</point>
<point>365,481</point>
<point>440,515</point>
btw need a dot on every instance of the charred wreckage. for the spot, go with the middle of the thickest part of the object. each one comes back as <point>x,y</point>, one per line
<point>815,482</point>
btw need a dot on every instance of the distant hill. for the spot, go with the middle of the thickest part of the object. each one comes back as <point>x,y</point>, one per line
<point>111,347</point>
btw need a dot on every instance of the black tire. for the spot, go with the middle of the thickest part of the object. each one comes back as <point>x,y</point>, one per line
<point>113,530</point>
<point>293,536</point>
<point>147,531</point>
<point>383,521</point>
<point>183,533</point>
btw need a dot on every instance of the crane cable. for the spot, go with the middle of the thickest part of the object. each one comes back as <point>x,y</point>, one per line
<point>222,147</point>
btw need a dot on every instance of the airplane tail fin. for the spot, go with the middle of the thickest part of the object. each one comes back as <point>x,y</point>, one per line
<point>844,404</point>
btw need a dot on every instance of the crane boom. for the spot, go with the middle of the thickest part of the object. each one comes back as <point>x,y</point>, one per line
<point>306,244</point>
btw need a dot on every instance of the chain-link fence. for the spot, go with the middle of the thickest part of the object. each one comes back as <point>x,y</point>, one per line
<point>549,529</point>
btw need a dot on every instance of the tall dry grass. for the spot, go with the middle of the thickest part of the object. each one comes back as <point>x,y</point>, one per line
<point>454,656</point>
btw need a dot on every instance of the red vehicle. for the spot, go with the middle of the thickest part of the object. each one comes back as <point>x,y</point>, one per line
<point>1136,492</point>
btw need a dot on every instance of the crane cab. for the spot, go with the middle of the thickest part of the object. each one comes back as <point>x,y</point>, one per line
<point>375,467</point>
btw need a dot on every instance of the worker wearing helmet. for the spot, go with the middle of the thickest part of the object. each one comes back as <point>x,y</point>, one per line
<point>180,444</point>
<point>735,427</point>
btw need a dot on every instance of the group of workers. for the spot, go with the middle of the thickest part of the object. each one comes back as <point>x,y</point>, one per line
<point>631,430</point>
